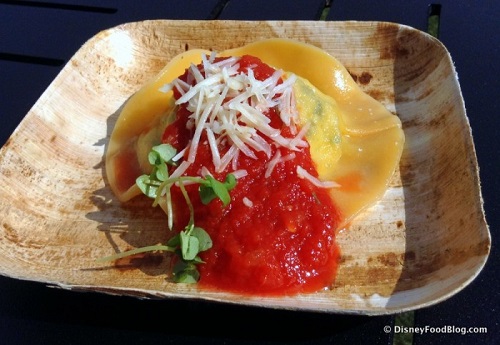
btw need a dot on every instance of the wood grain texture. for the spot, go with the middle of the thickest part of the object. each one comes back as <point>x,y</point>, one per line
<point>423,242</point>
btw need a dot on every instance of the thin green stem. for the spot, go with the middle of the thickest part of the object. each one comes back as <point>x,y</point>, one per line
<point>153,248</point>
<point>190,205</point>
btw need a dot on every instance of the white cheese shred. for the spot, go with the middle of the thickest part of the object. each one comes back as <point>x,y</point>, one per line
<point>272,164</point>
<point>240,173</point>
<point>303,173</point>
<point>247,202</point>
<point>181,169</point>
<point>230,108</point>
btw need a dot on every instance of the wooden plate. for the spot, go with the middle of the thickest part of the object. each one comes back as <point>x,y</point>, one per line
<point>423,242</point>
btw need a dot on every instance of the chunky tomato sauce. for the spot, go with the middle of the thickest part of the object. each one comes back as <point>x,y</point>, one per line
<point>277,236</point>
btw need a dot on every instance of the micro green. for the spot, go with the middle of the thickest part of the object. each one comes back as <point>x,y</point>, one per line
<point>191,241</point>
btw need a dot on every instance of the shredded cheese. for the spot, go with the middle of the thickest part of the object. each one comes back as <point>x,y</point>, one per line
<point>247,202</point>
<point>230,106</point>
<point>181,169</point>
<point>303,173</point>
<point>240,173</point>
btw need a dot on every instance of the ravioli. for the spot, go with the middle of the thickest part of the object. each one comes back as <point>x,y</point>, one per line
<point>354,140</point>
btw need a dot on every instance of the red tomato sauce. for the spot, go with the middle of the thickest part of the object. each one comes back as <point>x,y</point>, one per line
<point>284,243</point>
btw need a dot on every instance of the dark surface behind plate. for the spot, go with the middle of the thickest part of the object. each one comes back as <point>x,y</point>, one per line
<point>37,40</point>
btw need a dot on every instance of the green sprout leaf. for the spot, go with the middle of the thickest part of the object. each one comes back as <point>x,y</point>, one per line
<point>230,182</point>
<point>207,194</point>
<point>162,172</point>
<point>185,272</point>
<point>164,151</point>
<point>175,241</point>
<point>211,189</point>
<point>154,158</point>
<point>190,246</point>
<point>187,244</point>
<point>204,240</point>
<point>146,186</point>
